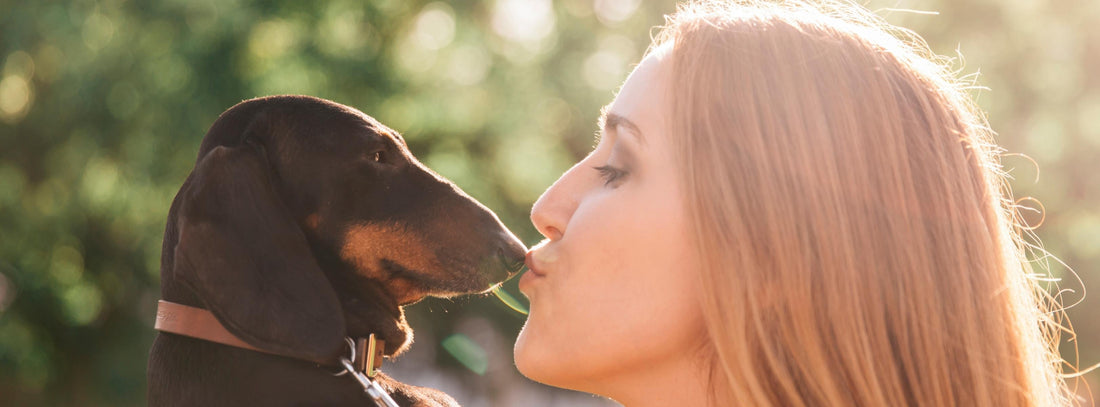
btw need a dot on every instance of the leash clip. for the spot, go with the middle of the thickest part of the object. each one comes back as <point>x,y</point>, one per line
<point>365,353</point>
<point>376,392</point>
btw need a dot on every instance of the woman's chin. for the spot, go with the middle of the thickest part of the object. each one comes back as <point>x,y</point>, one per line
<point>538,359</point>
<point>524,354</point>
<point>534,360</point>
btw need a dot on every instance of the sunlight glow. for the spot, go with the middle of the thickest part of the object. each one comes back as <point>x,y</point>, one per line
<point>523,20</point>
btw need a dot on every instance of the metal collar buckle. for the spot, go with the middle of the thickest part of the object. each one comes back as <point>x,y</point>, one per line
<point>367,356</point>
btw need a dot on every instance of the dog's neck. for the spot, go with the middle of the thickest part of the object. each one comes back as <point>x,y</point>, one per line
<point>364,318</point>
<point>370,309</point>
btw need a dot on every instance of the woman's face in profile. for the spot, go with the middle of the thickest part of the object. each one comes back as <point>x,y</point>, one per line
<point>612,288</point>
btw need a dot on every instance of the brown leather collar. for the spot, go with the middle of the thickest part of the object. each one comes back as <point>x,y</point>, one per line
<point>201,324</point>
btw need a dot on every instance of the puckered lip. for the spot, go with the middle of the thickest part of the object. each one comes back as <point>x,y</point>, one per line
<point>530,262</point>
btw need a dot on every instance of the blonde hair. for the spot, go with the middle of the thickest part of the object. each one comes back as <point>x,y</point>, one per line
<point>860,241</point>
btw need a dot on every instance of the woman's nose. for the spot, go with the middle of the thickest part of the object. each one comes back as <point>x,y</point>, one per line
<point>551,213</point>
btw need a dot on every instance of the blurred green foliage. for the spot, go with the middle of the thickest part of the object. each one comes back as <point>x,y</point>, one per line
<point>103,105</point>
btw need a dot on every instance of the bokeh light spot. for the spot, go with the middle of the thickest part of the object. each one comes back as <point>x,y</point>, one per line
<point>100,183</point>
<point>19,63</point>
<point>15,98</point>
<point>169,73</point>
<point>523,20</point>
<point>468,65</point>
<point>528,164</point>
<point>273,38</point>
<point>413,58</point>
<point>603,69</point>
<point>98,31</point>
<point>82,303</point>
<point>344,33</point>
<point>435,26</point>
<point>606,68</point>
<point>467,352</point>
<point>611,12</point>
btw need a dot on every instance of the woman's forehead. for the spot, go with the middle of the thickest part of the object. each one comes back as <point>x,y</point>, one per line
<point>641,99</point>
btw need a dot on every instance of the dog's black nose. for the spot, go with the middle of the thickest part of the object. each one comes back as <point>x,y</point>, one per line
<point>510,255</point>
<point>512,264</point>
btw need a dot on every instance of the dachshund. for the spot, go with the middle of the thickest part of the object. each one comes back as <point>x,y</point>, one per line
<point>305,222</point>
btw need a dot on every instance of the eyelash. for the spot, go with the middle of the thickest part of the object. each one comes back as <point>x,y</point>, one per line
<point>611,174</point>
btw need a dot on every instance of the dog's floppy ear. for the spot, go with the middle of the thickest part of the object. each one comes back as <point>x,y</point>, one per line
<point>246,258</point>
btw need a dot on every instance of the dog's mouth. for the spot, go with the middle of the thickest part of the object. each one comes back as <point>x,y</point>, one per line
<point>409,286</point>
<point>406,285</point>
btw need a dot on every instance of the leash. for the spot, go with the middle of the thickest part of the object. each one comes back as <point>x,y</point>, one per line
<point>363,363</point>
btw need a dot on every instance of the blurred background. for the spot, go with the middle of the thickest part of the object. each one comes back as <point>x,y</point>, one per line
<point>103,105</point>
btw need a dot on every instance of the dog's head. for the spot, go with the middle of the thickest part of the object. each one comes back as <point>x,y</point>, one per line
<point>305,221</point>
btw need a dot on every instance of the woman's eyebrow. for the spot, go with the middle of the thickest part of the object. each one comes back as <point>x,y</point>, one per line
<point>613,120</point>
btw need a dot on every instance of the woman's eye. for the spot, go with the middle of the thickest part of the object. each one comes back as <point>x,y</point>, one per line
<point>611,174</point>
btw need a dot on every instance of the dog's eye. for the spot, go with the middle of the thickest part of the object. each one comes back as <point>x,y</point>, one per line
<point>378,156</point>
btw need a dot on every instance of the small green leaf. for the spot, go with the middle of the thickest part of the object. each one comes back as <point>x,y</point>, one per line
<point>509,300</point>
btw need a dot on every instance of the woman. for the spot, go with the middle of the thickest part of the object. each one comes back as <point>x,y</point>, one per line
<point>788,206</point>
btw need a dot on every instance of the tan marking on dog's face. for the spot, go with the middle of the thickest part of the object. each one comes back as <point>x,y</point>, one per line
<point>365,246</point>
<point>313,220</point>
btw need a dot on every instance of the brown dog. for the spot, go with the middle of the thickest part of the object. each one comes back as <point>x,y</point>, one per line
<point>304,222</point>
